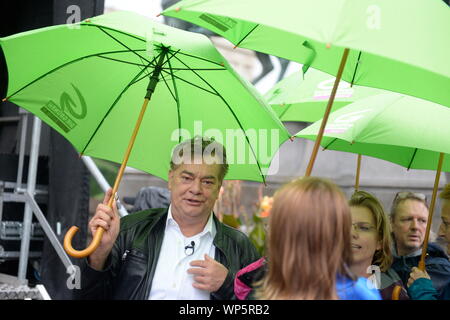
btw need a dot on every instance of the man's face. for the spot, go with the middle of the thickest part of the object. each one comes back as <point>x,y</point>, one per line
<point>444,229</point>
<point>194,189</point>
<point>409,225</point>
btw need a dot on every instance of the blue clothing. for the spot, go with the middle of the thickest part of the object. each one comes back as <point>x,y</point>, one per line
<point>422,289</point>
<point>348,289</point>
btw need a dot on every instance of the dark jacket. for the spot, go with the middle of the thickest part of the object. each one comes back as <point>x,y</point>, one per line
<point>130,267</point>
<point>437,265</point>
<point>389,280</point>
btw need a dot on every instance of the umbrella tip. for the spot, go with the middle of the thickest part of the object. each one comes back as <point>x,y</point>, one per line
<point>158,14</point>
<point>235,47</point>
<point>4,99</point>
<point>328,45</point>
<point>87,20</point>
<point>177,9</point>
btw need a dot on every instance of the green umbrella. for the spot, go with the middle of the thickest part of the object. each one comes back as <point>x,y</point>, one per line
<point>397,45</point>
<point>408,131</point>
<point>304,98</point>
<point>88,82</point>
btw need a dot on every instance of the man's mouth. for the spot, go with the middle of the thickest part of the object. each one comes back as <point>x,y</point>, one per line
<point>414,237</point>
<point>194,202</point>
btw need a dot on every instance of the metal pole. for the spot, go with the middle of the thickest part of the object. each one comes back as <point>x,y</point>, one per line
<point>31,186</point>
<point>24,123</point>
<point>98,176</point>
<point>48,231</point>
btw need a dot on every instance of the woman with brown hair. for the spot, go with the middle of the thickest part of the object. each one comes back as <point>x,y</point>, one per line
<point>309,245</point>
<point>371,244</point>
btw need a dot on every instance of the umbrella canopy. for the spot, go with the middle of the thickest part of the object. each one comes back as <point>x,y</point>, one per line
<point>404,130</point>
<point>304,97</point>
<point>398,45</point>
<point>88,81</point>
<point>408,131</point>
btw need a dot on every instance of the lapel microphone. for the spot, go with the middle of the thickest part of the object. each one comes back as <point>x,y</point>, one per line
<point>189,249</point>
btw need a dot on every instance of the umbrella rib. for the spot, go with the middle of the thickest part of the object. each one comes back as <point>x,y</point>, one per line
<point>200,58</point>
<point>330,144</point>
<point>232,112</point>
<point>112,106</point>
<point>356,68</point>
<point>285,110</point>
<point>148,74</point>
<point>112,29</point>
<point>123,61</point>
<point>167,85</point>
<point>121,43</point>
<point>63,65</point>
<point>177,100</point>
<point>196,69</point>
<point>240,41</point>
<point>412,158</point>
<point>192,84</point>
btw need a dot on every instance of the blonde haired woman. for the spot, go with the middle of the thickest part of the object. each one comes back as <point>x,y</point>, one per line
<point>309,245</point>
<point>371,244</point>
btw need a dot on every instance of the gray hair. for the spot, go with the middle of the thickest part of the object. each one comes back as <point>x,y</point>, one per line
<point>200,146</point>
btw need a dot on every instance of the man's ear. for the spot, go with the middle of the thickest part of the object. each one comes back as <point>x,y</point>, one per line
<point>170,178</point>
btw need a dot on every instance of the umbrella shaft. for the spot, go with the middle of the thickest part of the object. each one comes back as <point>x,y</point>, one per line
<point>327,113</point>
<point>150,89</point>
<point>430,214</point>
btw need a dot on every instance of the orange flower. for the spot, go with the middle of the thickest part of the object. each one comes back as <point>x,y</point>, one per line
<point>265,206</point>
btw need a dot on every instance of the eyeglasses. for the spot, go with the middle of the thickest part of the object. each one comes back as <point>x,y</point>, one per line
<point>362,227</point>
<point>403,195</point>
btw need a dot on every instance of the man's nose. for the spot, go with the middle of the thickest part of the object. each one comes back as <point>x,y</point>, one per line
<point>414,224</point>
<point>196,187</point>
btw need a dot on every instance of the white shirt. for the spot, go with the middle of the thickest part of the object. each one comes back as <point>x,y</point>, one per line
<point>171,280</point>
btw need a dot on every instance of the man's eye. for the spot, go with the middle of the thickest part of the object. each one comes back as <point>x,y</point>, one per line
<point>208,182</point>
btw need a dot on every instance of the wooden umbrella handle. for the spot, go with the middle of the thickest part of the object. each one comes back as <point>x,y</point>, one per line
<point>82,253</point>
<point>396,292</point>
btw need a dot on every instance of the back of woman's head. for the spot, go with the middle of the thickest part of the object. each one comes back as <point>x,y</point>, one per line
<point>309,241</point>
<point>383,257</point>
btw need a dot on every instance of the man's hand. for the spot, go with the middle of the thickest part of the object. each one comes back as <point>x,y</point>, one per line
<point>209,275</point>
<point>415,274</point>
<point>109,220</point>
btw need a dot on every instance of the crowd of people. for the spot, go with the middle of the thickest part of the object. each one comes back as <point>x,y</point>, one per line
<point>320,245</point>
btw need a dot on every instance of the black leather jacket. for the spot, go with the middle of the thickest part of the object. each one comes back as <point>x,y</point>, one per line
<point>130,267</point>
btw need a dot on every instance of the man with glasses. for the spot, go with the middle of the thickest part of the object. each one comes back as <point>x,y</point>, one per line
<point>409,217</point>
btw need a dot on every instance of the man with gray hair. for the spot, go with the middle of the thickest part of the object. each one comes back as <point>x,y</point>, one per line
<point>179,252</point>
<point>409,217</point>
